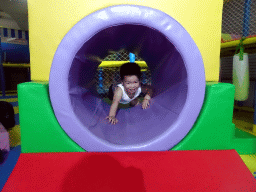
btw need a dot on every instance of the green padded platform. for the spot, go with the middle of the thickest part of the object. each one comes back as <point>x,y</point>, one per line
<point>41,132</point>
<point>214,128</point>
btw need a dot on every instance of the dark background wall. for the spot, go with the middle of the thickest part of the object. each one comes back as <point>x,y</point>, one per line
<point>15,53</point>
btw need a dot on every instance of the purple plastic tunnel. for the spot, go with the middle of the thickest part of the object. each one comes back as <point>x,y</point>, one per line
<point>177,75</point>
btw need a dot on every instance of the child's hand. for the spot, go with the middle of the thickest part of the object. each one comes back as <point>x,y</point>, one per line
<point>145,103</point>
<point>112,119</point>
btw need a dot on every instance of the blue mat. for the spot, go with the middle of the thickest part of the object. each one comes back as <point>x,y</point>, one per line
<point>17,119</point>
<point>8,96</point>
<point>7,167</point>
<point>14,104</point>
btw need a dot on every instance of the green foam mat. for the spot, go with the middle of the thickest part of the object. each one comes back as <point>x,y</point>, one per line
<point>213,130</point>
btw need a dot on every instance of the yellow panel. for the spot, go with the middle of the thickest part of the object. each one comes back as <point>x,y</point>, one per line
<point>50,20</point>
<point>254,129</point>
<point>251,40</point>
<point>119,63</point>
<point>250,161</point>
<point>10,100</point>
<point>17,65</point>
<point>16,110</point>
<point>14,135</point>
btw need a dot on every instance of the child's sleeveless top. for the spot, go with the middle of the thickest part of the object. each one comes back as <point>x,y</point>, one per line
<point>125,98</point>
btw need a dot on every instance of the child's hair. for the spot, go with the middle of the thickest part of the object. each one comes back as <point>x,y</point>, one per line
<point>128,69</point>
<point>7,117</point>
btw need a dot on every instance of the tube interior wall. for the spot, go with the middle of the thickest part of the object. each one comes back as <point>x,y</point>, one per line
<point>169,79</point>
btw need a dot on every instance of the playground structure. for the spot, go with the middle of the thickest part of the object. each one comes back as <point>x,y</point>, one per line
<point>61,111</point>
<point>80,112</point>
<point>139,24</point>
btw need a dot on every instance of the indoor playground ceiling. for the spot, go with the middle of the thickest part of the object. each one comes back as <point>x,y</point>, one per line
<point>18,10</point>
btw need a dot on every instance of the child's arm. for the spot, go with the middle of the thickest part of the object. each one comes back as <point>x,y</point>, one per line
<point>112,112</point>
<point>148,91</point>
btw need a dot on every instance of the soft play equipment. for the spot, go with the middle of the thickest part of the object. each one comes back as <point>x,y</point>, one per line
<point>70,105</point>
<point>57,18</point>
<point>177,75</point>
<point>131,171</point>
<point>61,111</point>
<point>169,51</point>
<point>241,77</point>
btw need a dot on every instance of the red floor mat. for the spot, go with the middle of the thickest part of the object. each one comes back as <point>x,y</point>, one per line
<point>131,171</point>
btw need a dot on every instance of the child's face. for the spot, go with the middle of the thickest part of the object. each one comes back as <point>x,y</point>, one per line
<point>131,83</point>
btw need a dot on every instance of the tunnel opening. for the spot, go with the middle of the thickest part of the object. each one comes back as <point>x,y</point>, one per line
<point>177,75</point>
<point>169,79</point>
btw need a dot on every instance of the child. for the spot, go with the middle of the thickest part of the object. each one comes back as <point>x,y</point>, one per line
<point>128,90</point>
<point>7,122</point>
